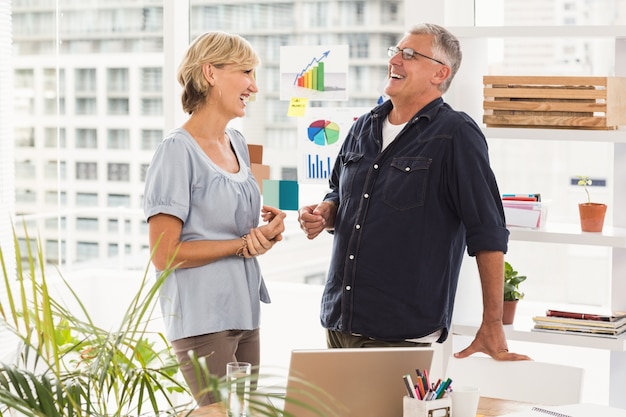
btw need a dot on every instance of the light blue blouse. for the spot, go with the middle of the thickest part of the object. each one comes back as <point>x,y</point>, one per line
<point>213,204</point>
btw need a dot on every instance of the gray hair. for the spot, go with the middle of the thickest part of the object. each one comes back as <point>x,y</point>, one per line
<point>445,47</point>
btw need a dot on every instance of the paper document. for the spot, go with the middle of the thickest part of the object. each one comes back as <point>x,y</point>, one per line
<point>571,410</point>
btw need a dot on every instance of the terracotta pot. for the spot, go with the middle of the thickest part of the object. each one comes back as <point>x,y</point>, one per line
<point>508,312</point>
<point>591,216</point>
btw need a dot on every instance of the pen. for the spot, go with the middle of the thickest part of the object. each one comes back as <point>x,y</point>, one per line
<point>442,388</point>
<point>421,389</point>
<point>409,385</point>
<point>426,380</point>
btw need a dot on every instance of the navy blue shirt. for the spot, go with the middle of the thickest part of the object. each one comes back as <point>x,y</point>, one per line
<point>405,217</point>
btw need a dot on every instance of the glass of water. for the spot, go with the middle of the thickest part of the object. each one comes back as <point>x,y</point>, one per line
<point>238,375</point>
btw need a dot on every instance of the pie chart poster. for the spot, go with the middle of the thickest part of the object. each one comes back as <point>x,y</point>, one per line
<point>321,131</point>
<point>315,72</point>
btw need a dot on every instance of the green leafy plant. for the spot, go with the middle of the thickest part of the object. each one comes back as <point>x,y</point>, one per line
<point>585,181</point>
<point>67,366</point>
<point>512,279</point>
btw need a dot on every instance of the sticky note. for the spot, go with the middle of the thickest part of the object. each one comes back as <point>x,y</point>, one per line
<point>297,107</point>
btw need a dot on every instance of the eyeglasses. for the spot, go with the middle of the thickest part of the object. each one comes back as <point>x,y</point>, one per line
<point>408,53</point>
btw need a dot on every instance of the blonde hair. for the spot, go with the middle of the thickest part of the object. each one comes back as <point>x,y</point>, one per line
<point>215,48</point>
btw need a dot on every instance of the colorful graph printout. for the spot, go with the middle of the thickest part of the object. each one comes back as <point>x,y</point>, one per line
<point>323,132</point>
<point>320,134</point>
<point>315,72</point>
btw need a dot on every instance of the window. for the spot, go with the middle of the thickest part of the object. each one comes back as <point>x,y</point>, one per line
<point>86,170</point>
<point>86,106</point>
<point>151,80</point>
<point>151,106</point>
<point>86,250</point>
<point>25,196</point>
<point>25,169</point>
<point>117,106</point>
<point>24,79</point>
<point>142,171</point>
<point>114,224</point>
<point>390,12</point>
<point>118,139</point>
<point>54,197</point>
<point>117,80</point>
<point>52,250</point>
<point>86,138</point>
<point>85,223</point>
<point>25,137</point>
<point>150,139</point>
<point>118,200</point>
<point>118,172</point>
<point>85,81</point>
<point>54,138</point>
<point>52,169</point>
<point>56,223</point>
<point>86,199</point>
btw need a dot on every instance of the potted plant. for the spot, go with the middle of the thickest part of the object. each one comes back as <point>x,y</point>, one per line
<point>591,214</point>
<point>512,293</point>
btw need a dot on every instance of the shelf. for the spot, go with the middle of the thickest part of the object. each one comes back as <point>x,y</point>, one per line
<point>578,31</point>
<point>569,135</point>
<point>570,234</point>
<point>519,333</point>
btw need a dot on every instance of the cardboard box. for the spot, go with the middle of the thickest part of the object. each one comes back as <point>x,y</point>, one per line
<point>544,101</point>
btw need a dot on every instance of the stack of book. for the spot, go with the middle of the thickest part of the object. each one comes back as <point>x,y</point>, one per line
<point>601,325</point>
<point>524,210</point>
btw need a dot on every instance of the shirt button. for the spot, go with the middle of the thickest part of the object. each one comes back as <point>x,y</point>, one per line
<point>357,227</point>
<point>351,257</point>
<point>407,169</point>
<point>366,196</point>
<point>375,166</point>
<point>348,288</point>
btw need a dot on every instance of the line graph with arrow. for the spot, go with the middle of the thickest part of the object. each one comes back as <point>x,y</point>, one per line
<point>312,76</point>
<point>314,72</point>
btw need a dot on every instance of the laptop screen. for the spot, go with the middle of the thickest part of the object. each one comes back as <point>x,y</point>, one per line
<point>365,382</point>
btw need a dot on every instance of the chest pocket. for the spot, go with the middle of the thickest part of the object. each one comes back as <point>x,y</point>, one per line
<point>350,165</point>
<point>405,185</point>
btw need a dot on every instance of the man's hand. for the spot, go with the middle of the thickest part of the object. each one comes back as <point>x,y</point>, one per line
<point>490,339</point>
<point>316,218</point>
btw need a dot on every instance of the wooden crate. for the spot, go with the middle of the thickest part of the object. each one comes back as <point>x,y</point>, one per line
<point>556,102</point>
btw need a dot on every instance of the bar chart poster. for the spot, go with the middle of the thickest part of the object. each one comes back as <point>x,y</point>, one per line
<point>315,72</point>
<point>321,132</point>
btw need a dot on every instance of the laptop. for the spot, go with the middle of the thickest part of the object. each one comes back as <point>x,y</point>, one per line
<point>363,382</point>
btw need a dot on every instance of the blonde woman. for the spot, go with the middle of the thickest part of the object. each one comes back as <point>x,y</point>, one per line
<point>203,208</point>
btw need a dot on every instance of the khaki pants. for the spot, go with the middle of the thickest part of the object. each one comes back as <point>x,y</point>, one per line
<point>218,349</point>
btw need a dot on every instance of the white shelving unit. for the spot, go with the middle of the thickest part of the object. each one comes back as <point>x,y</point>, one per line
<point>466,94</point>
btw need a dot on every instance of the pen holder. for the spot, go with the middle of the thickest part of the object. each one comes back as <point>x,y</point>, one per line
<point>419,408</point>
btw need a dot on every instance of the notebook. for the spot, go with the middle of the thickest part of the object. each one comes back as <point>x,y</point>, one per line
<point>365,382</point>
<point>572,410</point>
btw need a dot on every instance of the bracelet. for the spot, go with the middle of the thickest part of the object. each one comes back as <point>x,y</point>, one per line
<point>244,246</point>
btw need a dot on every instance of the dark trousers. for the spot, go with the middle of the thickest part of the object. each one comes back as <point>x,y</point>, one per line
<point>342,340</point>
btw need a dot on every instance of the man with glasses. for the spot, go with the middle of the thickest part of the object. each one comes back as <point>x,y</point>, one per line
<point>411,190</point>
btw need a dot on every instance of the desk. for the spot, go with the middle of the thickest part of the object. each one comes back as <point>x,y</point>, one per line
<point>491,407</point>
<point>487,407</point>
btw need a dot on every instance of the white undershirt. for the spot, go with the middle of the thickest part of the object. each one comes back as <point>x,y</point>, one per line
<point>390,131</point>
